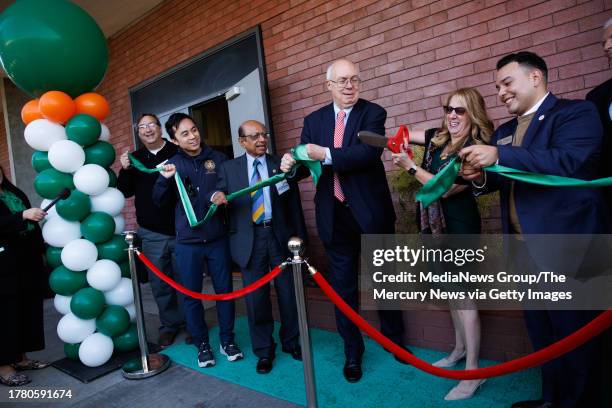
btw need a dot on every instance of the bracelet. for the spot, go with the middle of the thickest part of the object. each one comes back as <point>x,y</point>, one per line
<point>484,183</point>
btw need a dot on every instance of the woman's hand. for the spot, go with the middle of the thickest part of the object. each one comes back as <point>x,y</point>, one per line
<point>402,160</point>
<point>168,170</point>
<point>33,214</point>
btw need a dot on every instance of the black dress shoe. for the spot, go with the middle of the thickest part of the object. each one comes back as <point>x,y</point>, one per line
<point>533,404</point>
<point>264,365</point>
<point>295,352</point>
<point>352,370</point>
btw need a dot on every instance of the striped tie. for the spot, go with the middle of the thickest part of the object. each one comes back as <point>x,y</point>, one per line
<point>338,135</point>
<point>257,197</point>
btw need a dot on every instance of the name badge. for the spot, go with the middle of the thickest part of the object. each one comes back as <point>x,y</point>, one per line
<point>282,186</point>
<point>504,141</point>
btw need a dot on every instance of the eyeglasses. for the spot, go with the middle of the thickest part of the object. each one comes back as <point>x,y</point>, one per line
<point>343,82</point>
<point>458,111</point>
<point>151,126</point>
<point>257,135</point>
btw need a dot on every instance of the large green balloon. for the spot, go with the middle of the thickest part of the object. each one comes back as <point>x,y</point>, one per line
<point>71,350</point>
<point>52,45</point>
<point>113,321</point>
<point>40,161</point>
<point>76,207</point>
<point>112,178</point>
<point>127,341</point>
<point>48,183</point>
<point>98,227</point>
<point>102,153</point>
<point>53,256</point>
<point>87,303</point>
<point>66,282</point>
<point>83,129</point>
<point>114,249</point>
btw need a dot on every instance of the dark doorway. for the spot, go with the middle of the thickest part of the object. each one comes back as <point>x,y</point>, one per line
<point>212,118</point>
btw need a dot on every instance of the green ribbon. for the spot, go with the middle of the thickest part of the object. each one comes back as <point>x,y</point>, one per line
<point>441,182</point>
<point>299,154</point>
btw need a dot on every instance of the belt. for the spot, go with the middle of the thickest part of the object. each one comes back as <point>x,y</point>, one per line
<point>264,224</point>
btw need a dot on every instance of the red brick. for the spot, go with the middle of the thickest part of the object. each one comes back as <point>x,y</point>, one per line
<point>450,26</point>
<point>574,13</point>
<point>385,26</point>
<point>516,44</point>
<point>399,32</point>
<point>474,80</point>
<point>438,65</point>
<point>408,96</point>
<point>454,49</point>
<point>420,59</point>
<point>433,20</point>
<point>445,5</point>
<point>592,80</point>
<point>585,67</point>
<point>489,39</point>
<point>472,56</point>
<point>440,88</point>
<point>434,43</point>
<point>417,37</point>
<point>469,32</point>
<point>579,40</point>
<point>465,9</point>
<point>567,85</point>
<point>549,7</point>
<point>508,20</point>
<point>487,14</point>
<point>457,72</point>
<point>592,22</point>
<point>414,15</point>
<point>392,89</point>
<point>405,74</point>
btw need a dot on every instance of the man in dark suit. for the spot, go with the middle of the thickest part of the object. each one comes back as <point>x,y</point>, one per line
<point>352,196</point>
<point>261,224</point>
<point>548,136</point>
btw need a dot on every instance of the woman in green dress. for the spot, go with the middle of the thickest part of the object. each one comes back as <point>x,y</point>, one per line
<point>465,123</point>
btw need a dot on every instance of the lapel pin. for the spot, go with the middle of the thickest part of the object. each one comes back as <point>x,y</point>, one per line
<point>273,170</point>
<point>541,117</point>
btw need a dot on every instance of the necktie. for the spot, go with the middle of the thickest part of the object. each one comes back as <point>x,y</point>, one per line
<point>257,197</point>
<point>338,135</point>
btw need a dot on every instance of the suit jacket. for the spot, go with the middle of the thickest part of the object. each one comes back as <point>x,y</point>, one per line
<point>359,167</point>
<point>564,139</point>
<point>287,216</point>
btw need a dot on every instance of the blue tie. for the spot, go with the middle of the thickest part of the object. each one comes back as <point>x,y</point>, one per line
<point>257,197</point>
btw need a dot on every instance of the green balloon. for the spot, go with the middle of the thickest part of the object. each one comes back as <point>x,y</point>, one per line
<point>125,269</point>
<point>52,45</point>
<point>112,178</point>
<point>113,321</point>
<point>40,161</point>
<point>127,341</point>
<point>48,183</point>
<point>53,256</point>
<point>102,153</point>
<point>114,249</point>
<point>87,303</point>
<point>71,350</point>
<point>98,227</point>
<point>66,282</point>
<point>83,129</point>
<point>76,207</point>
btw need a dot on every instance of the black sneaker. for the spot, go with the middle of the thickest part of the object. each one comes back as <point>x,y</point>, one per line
<point>205,356</point>
<point>231,351</point>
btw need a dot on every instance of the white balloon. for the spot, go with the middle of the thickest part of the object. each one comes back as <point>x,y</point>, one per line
<point>96,350</point>
<point>131,309</point>
<point>104,133</point>
<point>79,255</point>
<point>51,212</point>
<point>62,303</point>
<point>104,275</point>
<point>119,224</point>
<point>66,156</point>
<point>40,134</point>
<point>110,201</point>
<point>91,179</point>
<point>72,329</point>
<point>121,295</point>
<point>58,232</point>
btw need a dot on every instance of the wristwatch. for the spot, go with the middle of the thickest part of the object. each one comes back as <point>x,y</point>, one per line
<point>412,170</point>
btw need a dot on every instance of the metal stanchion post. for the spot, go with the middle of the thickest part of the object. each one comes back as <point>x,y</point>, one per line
<point>147,365</point>
<point>295,246</point>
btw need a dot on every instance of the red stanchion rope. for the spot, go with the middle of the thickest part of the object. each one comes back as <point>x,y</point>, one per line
<point>592,329</point>
<point>204,296</point>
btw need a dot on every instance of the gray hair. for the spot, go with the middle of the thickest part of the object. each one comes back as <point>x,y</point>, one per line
<point>608,23</point>
<point>328,75</point>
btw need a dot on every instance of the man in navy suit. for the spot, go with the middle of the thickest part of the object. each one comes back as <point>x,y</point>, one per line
<point>352,196</point>
<point>548,136</point>
<point>261,224</point>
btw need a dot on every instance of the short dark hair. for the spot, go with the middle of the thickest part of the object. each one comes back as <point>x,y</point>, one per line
<point>525,59</point>
<point>240,131</point>
<point>173,122</point>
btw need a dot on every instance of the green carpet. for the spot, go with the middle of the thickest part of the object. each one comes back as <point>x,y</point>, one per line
<point>385,382</point>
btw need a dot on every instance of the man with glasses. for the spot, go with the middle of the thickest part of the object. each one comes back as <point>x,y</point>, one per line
<point>156,223</point>
<point>260,225</point>
<point>352,197</point>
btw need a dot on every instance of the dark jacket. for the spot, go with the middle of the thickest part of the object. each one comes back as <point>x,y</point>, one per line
<point>199,174</point>
<point>132,182</point>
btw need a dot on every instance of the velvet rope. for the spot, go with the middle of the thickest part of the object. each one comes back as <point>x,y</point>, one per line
<point>220,296</point>
<point>581,336</point>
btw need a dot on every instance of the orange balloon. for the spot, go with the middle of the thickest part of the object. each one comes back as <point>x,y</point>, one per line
<point>57,106</point>
<point>93,104</point>
<point>30,112</point>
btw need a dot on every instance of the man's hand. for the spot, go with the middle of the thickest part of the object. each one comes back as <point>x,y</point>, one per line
<point>125,160</point>
<point>33,214</point>
<point>287,163</point>
<point>315,152</point>
<point>219,198</point>
<point>479,156</point>
<point>168,170</point>
<point>471,173</point>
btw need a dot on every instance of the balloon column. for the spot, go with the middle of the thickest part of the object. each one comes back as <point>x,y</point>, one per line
<point>54,51</point>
